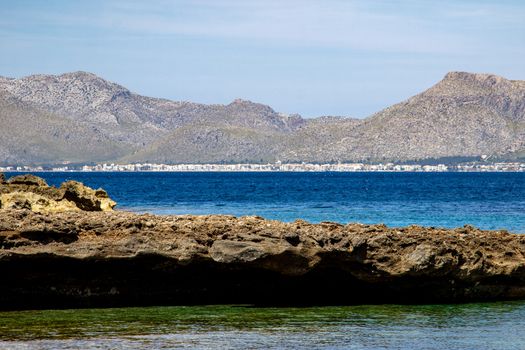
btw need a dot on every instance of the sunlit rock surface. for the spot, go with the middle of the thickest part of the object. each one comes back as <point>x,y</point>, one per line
<point>33,193</point>
<point>86,259</point>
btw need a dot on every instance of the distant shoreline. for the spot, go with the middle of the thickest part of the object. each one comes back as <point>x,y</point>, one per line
<point>277,167</point>
<point>257,171</point>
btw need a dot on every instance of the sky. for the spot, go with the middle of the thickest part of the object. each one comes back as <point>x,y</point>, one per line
<point>326,57</point>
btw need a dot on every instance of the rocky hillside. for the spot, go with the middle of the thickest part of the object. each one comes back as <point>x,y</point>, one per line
<point>80,117</point>
<point>463,115</point>
<point>29,135</point>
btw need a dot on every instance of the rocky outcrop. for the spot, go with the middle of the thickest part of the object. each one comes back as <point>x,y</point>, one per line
<point>33,193</point>
<point>28,180</point>
<point>86,198</point>
<point>84,259</point>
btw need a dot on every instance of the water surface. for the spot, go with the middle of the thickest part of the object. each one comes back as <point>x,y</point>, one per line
<point>450,327</point>
<point>486,200</point>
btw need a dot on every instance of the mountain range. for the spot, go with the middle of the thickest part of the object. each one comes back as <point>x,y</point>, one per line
<point>81,118</point>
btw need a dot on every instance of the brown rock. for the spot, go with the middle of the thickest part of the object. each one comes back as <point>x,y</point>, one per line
<point>2,178</point>
<point>14,201</point>
<point>32,193</point>
<point>129,259</point>
<point>28,180</point>
<point>86,198</point>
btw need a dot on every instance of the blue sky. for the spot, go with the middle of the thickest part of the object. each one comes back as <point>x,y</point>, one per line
<point>328,57</point>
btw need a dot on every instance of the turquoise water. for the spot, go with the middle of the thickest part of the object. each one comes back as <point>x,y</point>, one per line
<point>486,200</point>
<point>469,326</point>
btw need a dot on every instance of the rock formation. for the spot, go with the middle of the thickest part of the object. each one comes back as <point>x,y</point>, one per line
<point>33,193</point>
<point>84,259</point>
<point>28,180</point>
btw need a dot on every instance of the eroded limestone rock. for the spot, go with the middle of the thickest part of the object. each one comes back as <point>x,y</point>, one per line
<point>33,193</point>
<point>47,260</point>
<point>86,198</point>
<point>28,180</point>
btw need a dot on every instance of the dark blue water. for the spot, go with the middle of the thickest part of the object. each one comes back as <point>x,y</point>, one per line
<point>486,200</point>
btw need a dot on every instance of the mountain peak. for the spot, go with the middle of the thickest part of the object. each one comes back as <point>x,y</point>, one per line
<point>240,100</point>
<point>80,75</point>
<point>456,84</point>
<point>62,81</point>
<point>243,102</point>
<point>90,79</point>
<point>480,78</point>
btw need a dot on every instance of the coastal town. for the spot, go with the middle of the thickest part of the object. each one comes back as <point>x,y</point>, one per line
<point>276,167</point>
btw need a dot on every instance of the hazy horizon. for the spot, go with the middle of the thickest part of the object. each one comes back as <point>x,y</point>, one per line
<point>346,58</point>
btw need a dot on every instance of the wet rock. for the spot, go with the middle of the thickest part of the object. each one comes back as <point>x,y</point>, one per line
<point>2,178</point>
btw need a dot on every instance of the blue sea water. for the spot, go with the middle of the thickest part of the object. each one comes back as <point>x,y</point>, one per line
<point>485,200</point>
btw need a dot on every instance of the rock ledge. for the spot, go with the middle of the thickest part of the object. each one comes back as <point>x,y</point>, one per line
<point>87,259</point>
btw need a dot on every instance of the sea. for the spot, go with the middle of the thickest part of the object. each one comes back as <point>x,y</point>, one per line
<point>485,200</point>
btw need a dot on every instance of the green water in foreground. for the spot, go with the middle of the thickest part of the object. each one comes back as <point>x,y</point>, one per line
<point>467,326</point>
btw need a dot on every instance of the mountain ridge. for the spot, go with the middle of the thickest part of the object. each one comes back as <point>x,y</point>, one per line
<point>463,115</point>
